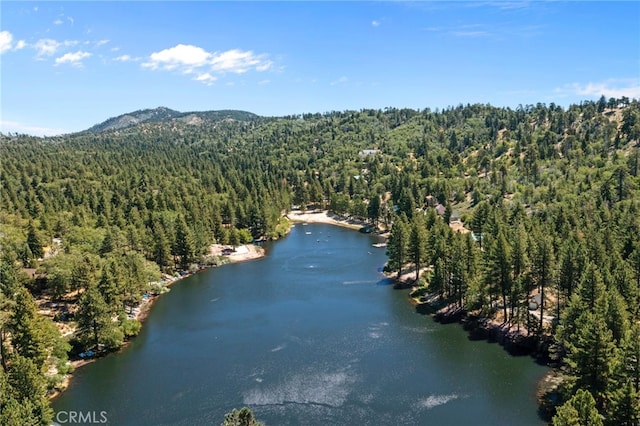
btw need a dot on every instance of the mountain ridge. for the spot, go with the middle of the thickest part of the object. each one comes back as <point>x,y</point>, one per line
<point>164,114</point>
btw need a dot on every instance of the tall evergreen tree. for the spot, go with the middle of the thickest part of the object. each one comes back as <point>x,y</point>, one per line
<point>28,330</point>
<point>593,356</point>
<point>33,241</point>
<point>542,271</point>
<point>498,269</point>
<point>183,247</point>
<point>94,317</point>
<point>397,244</point>
<point>417,249</point>
<point>580,410</point>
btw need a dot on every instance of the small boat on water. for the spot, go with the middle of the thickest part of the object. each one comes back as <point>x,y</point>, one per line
<point>379,245</point>
<point>366,230</point>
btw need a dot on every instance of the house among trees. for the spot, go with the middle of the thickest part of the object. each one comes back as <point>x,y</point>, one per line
<point>440,209</point>
<point>368,152</point>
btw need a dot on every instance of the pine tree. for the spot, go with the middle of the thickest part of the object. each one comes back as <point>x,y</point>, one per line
<point>108,286</point>
<point>33,241</point>
<point>625,407</point>
<point>242,417</point>
<point>631,357</point>
<point>542,271</point>
<point>374,208</point>
<point>498,268</point>
<point>519,263</point>
<point>572,262</point>
<point>93,316</point>
<point>417,249</point>
<point>580,410</point>
<point>23,400</point>
<point>617,317</point>
<point>83,274</point>
<point>480,215</point>
<point>183,247</point>
<point>161,250</point>
<point>593,356</point>
<point>397,244</point>
<point>28,333</point>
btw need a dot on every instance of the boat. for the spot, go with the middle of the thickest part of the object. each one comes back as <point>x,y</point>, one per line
<point>379,245</point>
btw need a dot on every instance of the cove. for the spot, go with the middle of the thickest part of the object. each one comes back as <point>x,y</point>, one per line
<point>311,334</point>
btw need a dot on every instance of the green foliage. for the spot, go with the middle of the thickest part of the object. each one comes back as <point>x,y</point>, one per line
<point>241,417</point>
<point>244,236</point>
<point>130,327</point>
<point>551,195</point>
<point>580,410</point>
<point>23,400</point>
<point>397,244</point>
<point>95,323</point>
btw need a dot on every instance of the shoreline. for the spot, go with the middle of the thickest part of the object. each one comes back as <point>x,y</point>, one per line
<point>248,253</point>
<point>515,342</point>
<point>325,217</point>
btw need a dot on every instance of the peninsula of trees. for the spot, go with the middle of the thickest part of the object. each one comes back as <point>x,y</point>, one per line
<point>546,200</point>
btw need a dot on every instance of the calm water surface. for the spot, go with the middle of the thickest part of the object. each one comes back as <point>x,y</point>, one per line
<point>312,334</point>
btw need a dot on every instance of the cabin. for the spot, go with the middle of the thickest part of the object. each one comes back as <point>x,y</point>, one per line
<point>368,152</point>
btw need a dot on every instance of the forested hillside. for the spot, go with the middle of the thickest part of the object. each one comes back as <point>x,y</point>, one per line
<point>551,195</point>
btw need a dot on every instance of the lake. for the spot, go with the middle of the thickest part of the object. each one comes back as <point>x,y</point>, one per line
<point>311,334</point>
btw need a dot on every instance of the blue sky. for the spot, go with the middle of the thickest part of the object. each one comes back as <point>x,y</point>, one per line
<point>66,66</point>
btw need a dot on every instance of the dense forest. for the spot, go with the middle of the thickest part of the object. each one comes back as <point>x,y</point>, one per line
<point>546,199</point>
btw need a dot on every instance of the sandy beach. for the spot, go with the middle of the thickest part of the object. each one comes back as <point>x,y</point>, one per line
<point>240,254</point>
<point>323,216</point>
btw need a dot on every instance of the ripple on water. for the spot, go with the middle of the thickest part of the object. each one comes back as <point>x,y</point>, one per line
<point>435,400</point>
<point>279,348</point>
<point>325,262</point>
<point>328,389</point>
<point>376,330</point>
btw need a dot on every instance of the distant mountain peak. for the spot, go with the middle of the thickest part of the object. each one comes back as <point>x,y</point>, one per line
<point>163,114</point>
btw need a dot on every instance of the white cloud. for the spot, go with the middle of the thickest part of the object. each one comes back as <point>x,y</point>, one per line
<point>101,43</point>
<point>6,40</point>
<point>341,80</point>
<point>238,61</point>
<point>189,59</point>
<point>49,47</point>
<point>179,56</point>
<point>126,58</point>
<point>75,59</point>
<point>263,82</point>
<point>611,88</point>
<point>58,22</point>
<point>375,23</point>
<point>206,78</point>
<point>21,128</point>
<point>70,19</point>
<point>46,47</point>
<point>21,44</point>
